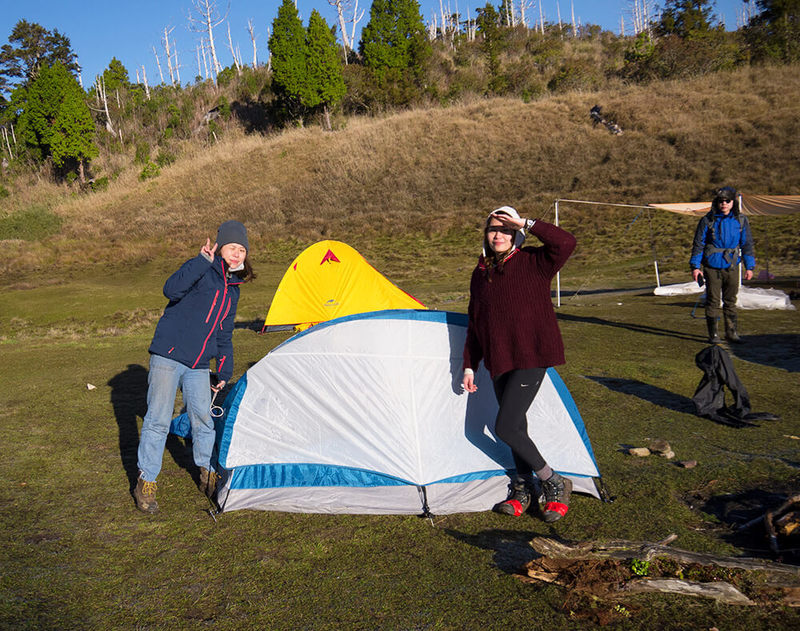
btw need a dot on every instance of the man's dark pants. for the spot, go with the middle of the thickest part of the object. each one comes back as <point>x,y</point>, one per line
<point>724,283</point>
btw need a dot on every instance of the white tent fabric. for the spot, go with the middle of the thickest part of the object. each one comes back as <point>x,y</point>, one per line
<point>748,297</point>
<point>366,414</point>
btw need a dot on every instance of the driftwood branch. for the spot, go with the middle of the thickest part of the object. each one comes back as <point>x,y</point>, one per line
<point>718,590</point>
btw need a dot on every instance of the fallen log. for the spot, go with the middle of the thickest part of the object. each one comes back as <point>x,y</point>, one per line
<point>719,590</point>
<point>615,569</point>
<point>645,551</point>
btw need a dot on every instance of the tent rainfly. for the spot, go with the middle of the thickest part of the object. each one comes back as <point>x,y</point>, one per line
<point>329,280</point>
<point>365,414</point>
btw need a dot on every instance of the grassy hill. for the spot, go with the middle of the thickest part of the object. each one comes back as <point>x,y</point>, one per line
<point>424,179</point>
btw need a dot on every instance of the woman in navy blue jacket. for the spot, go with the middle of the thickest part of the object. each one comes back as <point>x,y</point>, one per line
<point>197,326</point>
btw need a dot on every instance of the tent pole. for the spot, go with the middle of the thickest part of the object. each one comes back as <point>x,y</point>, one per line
<point>558,274</point>
<point>740,249</point>
<point>653,244</point>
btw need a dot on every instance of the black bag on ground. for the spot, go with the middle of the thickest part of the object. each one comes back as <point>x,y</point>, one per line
<point>709,398</point>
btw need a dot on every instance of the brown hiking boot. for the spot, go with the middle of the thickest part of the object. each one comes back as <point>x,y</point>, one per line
<point>208,482</point>
<point>145,496</point>
<point>557,491</point>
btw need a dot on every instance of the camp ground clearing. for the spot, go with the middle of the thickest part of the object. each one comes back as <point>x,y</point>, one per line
<point>76,554</point>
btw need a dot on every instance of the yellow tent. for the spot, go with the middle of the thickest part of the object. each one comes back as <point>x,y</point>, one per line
<point>328,280</point>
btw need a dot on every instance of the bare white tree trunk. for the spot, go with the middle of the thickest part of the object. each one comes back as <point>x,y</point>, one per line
<point>574,28</point>
<point>102,101</point>
<point>252,32</point>
<point>541,19</point>
<point>233,52</point>
<point>744,15</point>
<point>8,144</point>
<point>523,11</point>
<point>165,42</point>
<point>354,20</point>
<point>205,20</point>
<point>269,55</point>
<point>641,12</point>
<point>175,63</point>
<point>339,4</point>
<point>158,63</point>
<point>205,59</point>
<point>146,87</point>
<point>558,9</point>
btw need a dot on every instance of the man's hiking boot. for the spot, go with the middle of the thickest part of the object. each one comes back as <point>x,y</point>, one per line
<point>518,501</point>
<point>730,329</point>
<point>208,482</point>
<point>557,491</point>
<point>713,334</point>
<point>145,496</point>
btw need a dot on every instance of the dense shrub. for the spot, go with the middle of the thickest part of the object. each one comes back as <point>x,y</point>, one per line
<point>150,170</point>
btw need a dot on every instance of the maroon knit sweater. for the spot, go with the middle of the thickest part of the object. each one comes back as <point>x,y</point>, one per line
<point>512,323</point>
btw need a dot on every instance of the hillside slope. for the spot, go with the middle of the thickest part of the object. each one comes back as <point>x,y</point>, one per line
<point>437,172</point>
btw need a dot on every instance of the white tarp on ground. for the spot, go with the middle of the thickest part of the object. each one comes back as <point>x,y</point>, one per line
<point>748,298</point>
<point>366,414</point>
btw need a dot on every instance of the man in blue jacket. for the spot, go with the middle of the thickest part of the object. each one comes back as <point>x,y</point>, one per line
<point>718,240</point>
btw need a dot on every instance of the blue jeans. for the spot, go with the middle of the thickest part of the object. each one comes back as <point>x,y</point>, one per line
<point>165,377</point>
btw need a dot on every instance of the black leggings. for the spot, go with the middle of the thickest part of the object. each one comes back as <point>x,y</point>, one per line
<point>515,391</point>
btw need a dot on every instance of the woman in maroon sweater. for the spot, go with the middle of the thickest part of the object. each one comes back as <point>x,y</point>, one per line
<point>513,329</point>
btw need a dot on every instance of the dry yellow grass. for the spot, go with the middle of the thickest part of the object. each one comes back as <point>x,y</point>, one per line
<point>434,171</point>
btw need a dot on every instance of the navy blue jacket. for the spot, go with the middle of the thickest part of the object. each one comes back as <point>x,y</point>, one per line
<point>197,324</point>
<point>718,239</point>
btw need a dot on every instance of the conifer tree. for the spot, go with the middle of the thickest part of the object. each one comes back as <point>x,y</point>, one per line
<point>686,18</point>
<point>327,85</point>
<point>289,54</point>
<point>56,122</point>
<point>116,75</point>
<point>774,33</point>
<point>32,47</point>
<point>488,23</point>
<point>394,44</point>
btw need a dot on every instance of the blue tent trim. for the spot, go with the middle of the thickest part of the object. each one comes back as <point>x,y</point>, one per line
<point>290,475</point>
<point>284,475</point>
<point>223,427</point>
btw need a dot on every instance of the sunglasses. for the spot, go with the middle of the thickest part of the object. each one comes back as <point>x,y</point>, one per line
<point>500,229</point>
<point>725,201</point>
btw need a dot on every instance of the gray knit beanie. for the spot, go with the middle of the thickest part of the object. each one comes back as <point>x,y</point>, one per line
<point>232,232</point>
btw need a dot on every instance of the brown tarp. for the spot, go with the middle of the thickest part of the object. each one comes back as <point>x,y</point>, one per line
<point>751,205</point>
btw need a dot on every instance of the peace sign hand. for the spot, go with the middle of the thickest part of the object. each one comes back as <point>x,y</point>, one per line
<point>208,251</point>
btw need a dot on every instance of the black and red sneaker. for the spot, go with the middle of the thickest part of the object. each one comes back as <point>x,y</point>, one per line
<point>518,501</point>
<point>557,491</point>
